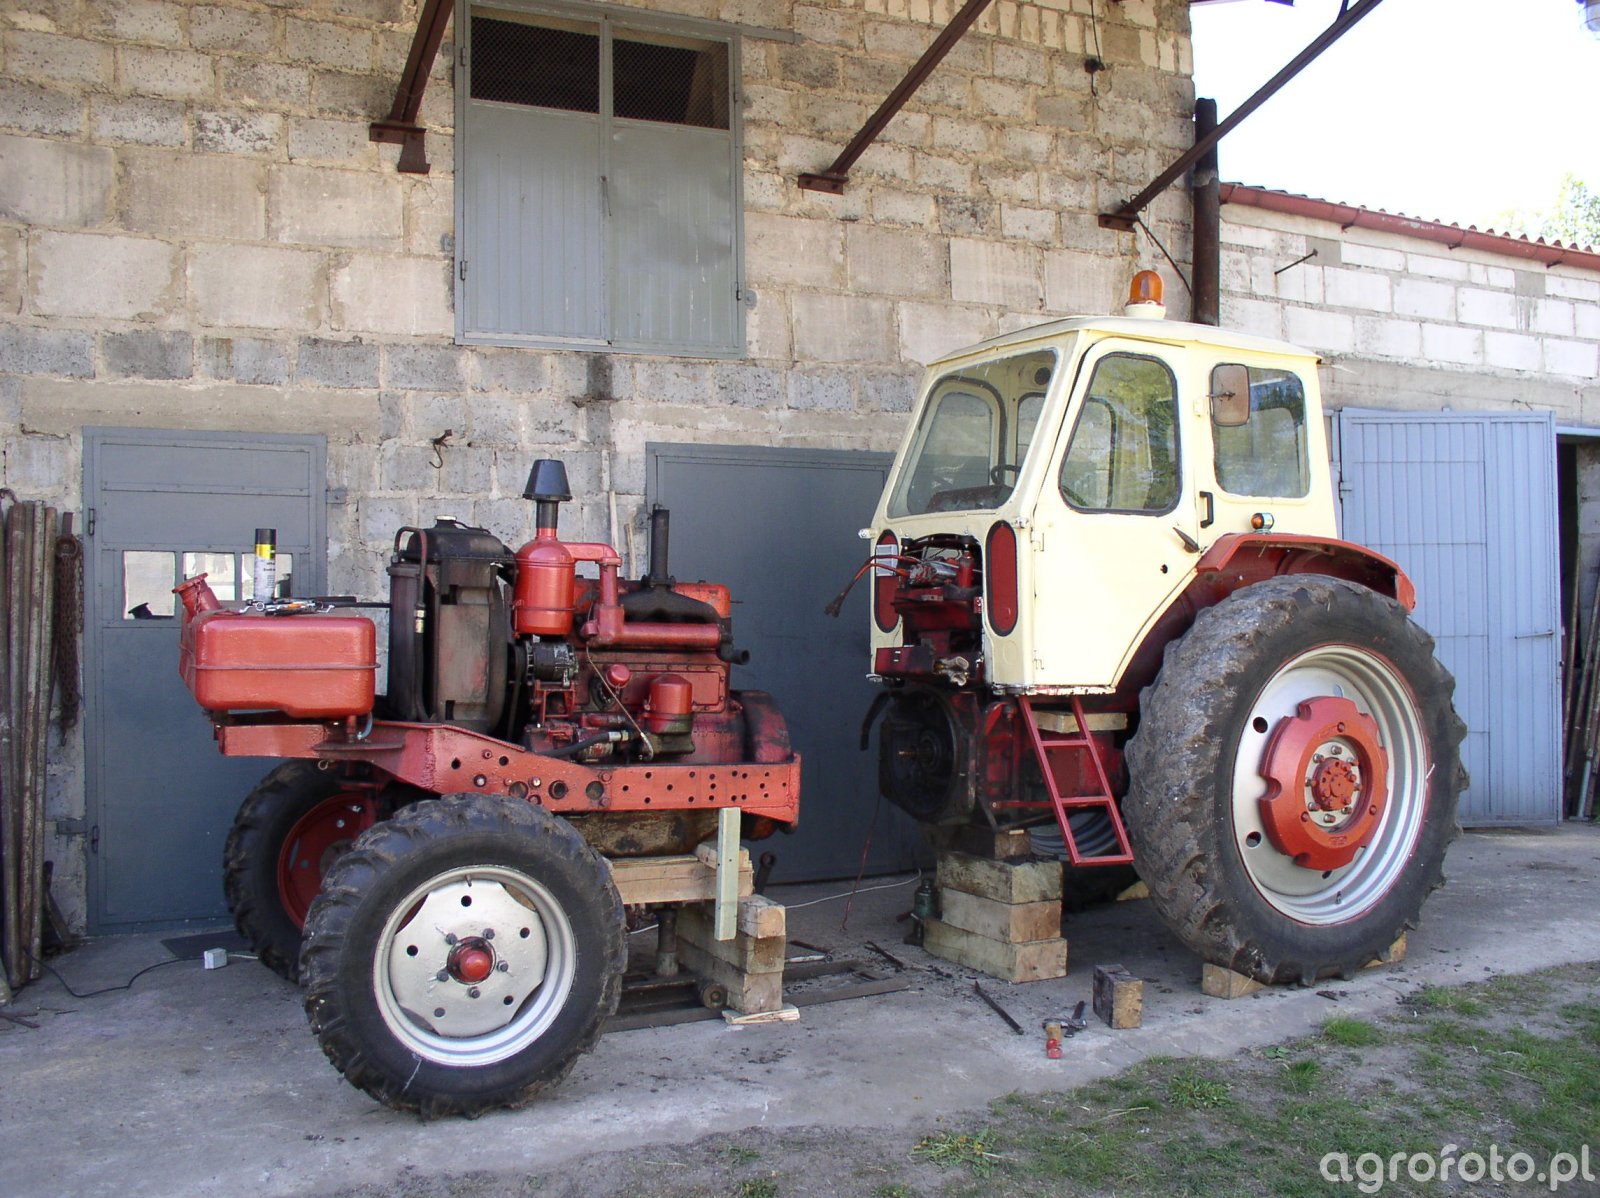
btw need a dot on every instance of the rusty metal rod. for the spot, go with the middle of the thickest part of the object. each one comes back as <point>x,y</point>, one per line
<point>1206,296</point>
<point>1123,217</point>
<point>834,178</point>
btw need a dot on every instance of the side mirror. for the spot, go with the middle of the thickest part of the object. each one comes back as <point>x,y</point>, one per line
<point>1230,396</point>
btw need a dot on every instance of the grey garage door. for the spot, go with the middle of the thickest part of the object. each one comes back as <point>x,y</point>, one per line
<point>164,505</point>
<point>1466,503</point>
<point>778,526</point>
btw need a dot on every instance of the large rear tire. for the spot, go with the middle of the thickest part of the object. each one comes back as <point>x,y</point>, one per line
<point>463,955</point>
<point>292,825</point>
<point>1294,779</point>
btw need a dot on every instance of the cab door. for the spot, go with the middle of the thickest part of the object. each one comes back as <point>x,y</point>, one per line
<point>1108,536</point>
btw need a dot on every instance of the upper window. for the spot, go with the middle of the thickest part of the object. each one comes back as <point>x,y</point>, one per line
<point>599,186</point>
<point>973,436</point>
<point>1260,447</point>
<point>1124,451</point>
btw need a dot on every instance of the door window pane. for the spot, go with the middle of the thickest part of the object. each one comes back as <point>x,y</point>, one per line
<point>1124,451</point>
<point>1266,455</point>
<point>220,570</point>
<point>542,66</point>
<point>147,583</point>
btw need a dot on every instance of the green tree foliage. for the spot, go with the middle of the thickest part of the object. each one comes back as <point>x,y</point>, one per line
<point>1573,219</point>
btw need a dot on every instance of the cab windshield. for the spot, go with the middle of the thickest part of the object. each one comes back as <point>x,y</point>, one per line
<point>973,436</point>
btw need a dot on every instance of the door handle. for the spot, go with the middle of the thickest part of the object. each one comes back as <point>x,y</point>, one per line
<point>1534,636</point>
<point>1211,509</point>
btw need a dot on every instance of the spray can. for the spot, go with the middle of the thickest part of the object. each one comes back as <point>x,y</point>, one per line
<point>266,565</point>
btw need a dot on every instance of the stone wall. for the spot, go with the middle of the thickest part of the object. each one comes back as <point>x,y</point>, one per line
<point>196,233</point>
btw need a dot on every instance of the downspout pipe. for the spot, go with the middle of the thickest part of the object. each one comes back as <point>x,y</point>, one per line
<point>1206,304</point>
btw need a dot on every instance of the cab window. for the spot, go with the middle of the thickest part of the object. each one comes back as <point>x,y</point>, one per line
<point>1124,451</point>
<point>1260,450</point>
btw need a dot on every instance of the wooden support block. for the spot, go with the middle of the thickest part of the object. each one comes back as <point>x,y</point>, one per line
<point>678,879</point>
<point>1004,881</point>
<point>1013,923</point>
<point>1013,845</point>
<point>1118,996</point>
<point>1028,962</point>
<point>747,992</point>
<point>1393,955</point>
<point>697,927</point>
<point>1137,891</point>
<point>762,918</point>
<point>1224,983</point>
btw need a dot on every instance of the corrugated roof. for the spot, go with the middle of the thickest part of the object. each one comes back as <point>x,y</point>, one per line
<point>1551,253</point>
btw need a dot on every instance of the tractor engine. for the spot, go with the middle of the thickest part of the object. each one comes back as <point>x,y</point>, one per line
<point>518,646</point>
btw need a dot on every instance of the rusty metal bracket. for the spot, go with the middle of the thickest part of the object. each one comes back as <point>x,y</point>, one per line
<point>833,179</point>
<point>400,127</point>
<point>1126,217</point>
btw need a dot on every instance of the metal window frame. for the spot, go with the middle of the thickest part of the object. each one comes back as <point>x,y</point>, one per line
<point>609,18</point>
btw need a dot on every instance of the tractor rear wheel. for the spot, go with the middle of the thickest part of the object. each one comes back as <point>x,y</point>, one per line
<point>463,955</point>
<point>289,829</point>
<point>1294,779</point>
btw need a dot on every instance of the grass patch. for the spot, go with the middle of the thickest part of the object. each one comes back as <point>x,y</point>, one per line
<point>948,1149</point>
<point>758,1187</point>
<point>1349,1032</point>
<point>1191,1091</point>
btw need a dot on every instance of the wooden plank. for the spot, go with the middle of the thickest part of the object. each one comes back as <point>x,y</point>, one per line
<point>1013,923</point>
<point>681,879</point>
<point>1118,996</point>
<point>1011,845</point>
<point>1005,881</point>
<point>1031,962</point>
<point>727,921</point>
<point>1224,983</point>
<point>788,1013</point>
<point>1066,723</point>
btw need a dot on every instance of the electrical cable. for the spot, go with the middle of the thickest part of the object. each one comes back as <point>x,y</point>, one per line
<point>127,985</point>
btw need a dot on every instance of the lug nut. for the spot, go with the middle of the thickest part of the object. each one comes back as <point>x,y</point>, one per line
<point>449,937</point>
<point>473,993</point>
<point>443,975</point>
<point>488,933</point>
<point>504,967</point>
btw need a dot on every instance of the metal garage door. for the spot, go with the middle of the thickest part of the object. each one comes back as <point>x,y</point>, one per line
<point>779,527</point>
<point>1466,503</point>
<point>165,504</point>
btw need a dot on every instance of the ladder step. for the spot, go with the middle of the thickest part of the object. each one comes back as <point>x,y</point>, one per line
<point>1043,746</point>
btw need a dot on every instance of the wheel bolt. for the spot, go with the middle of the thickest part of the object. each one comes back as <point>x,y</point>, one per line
<point>473,993</point>
<point>488,933</point>
<point>504,967</point>
<point>443,975</point>
<point>449,937</point>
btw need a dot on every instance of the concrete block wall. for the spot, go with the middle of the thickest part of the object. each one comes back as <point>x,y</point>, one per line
<point>1409,323</point>
<point>196,233</point>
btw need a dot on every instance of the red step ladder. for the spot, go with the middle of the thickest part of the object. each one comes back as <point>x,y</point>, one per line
<point>1050,747</point>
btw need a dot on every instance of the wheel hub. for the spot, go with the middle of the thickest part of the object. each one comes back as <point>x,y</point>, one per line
<point>466,958</point>
<point>1325,770</point>
<point>319,838</point>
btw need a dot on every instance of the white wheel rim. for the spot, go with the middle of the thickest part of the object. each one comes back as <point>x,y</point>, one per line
<point>1330,897</point>
<point>469,1023</point>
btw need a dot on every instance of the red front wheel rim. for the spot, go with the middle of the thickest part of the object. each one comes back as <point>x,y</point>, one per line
<point>317,839</point>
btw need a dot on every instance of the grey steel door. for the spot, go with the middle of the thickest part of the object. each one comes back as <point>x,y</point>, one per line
<point>164,504</point>
<point>778,526</point>
<point>1466,503</point>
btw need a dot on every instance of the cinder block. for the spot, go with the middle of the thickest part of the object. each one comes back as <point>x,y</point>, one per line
<point>404,296</point>
<point>842,328</point>
<point>54,183</point>
<point>1010,922</point>
<point>424,367</point>
<point>744,386</point>
<point>495,420</point>
<point>328,141</point>
<point>1118,996</point>
<point>346,47</point>
<point>66,353</point>
<point>891,262</point>
<point>50,58</point>
<point>13,270</point>
<point>32,109</point>
<point>140,21</point>
<point>266,83</point>
<point>171,74</point>
<point>820,391</point>
<point>1004,881</point>
<point>888,392</point>
<point>95,274</point>
<point>987,272</point>
<point>1030,962</point>
<point>517,370</point>
<point>346,208</point>
<point>245,360</point>
<point>237,132</point>
<point>148,354</point>
<point>138,120</point>
<point>254,286</point>
<point>787,249</point>
<point>192,195</point>
<point>220,27</point>
<point>336,363</point>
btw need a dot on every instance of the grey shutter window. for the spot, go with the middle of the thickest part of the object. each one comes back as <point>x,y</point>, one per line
<point>598,187</point>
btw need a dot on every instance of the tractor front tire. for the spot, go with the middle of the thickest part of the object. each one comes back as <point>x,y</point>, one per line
<point>463,955</point>
<point>1294,779</point>
<point>289,828</point>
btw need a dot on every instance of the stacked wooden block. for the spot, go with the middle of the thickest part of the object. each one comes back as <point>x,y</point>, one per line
<point>999,914</point>
<point>750,966</point>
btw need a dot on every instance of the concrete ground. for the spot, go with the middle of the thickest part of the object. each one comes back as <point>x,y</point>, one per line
<point>208,1082</point>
